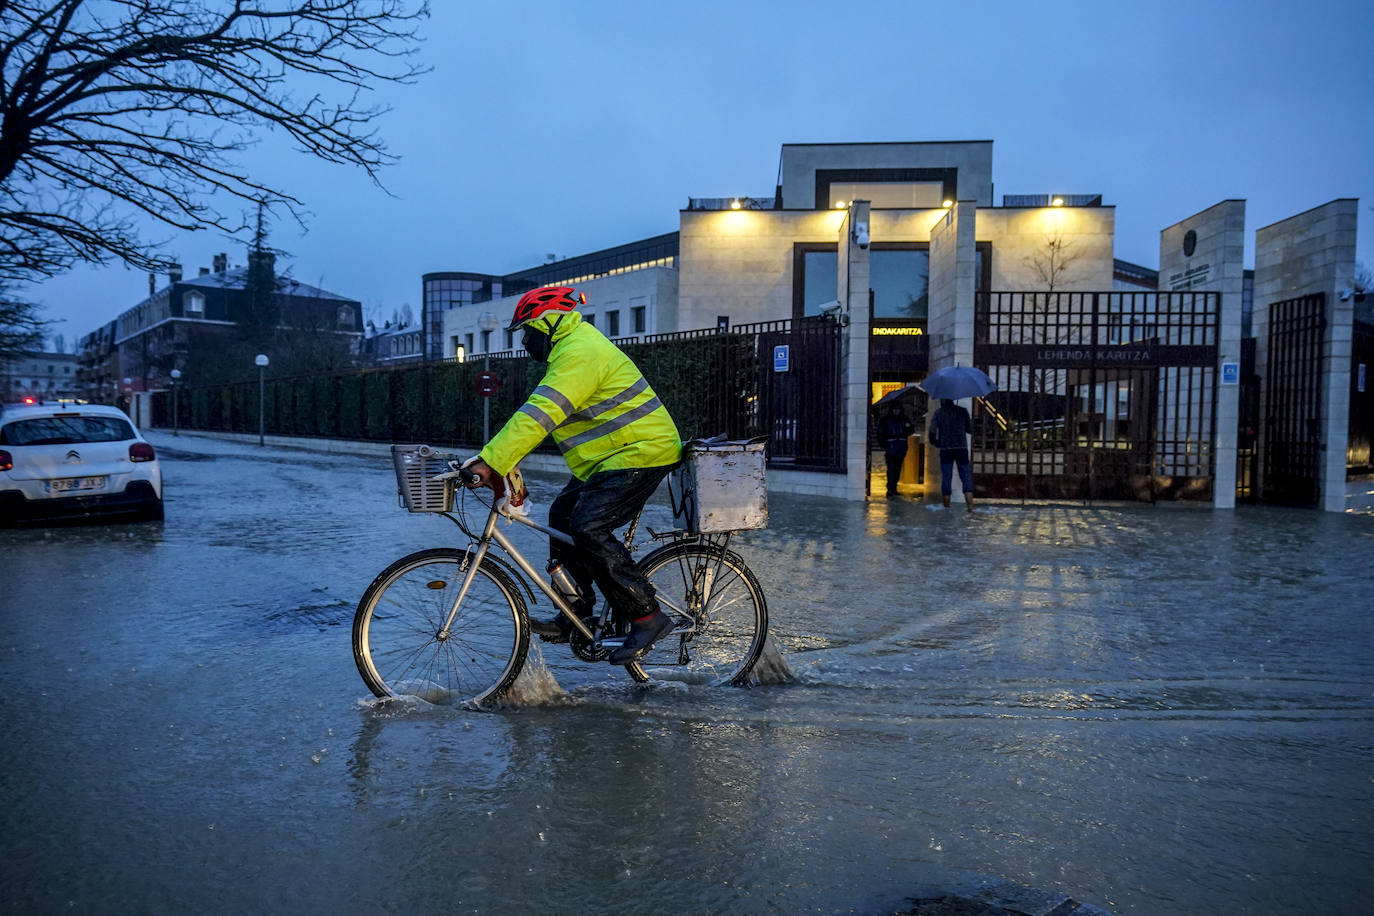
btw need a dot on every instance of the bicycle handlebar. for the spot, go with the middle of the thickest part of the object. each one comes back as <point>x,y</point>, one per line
<point>472,480</point>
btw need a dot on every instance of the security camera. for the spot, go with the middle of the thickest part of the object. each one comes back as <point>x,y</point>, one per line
<point>831,308</point>
<point>861,234</point>
<point>1345,294</point>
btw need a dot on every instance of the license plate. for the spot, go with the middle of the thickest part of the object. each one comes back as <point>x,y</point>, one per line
<point>76,483</point>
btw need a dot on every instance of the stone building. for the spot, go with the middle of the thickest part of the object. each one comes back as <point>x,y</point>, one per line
<point>1116,381</point>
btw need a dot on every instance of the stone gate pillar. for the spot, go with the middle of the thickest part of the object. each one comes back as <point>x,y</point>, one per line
<point>1312,252</point>
<point>1206,253</point>
<point>852,293</point>
<point>953,281</point>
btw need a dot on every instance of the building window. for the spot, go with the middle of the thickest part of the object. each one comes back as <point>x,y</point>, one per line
<point>193,304</point>
<point>815,277</point>
<point>468,343</point>
<point>613,323</point>
<point>637,318</point>
<point>590,319</point>
<point>455,344</point>
<point>486,341</point>
<point>899,276</point>
<point>345,318</point>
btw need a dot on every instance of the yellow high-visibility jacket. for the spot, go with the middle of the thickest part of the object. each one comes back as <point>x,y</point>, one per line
<point>601,411</point>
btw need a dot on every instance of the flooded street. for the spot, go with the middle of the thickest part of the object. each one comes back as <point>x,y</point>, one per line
<point>1153,710</point>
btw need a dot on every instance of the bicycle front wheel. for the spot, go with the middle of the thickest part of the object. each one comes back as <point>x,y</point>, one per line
<point>721,615</point>
<point>400,644</point>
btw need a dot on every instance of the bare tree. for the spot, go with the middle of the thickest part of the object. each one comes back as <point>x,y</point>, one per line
<point>1053,261</point>
<point>1364,285</point>
<point>121,110</point>
<point>20,327</point>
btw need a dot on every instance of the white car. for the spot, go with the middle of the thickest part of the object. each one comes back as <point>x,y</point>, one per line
<point>65,461</point>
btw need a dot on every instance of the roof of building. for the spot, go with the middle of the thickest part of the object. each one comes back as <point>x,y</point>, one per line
<point>236,278</point>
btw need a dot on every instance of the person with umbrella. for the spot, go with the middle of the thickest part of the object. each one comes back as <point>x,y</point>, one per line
<point>951,425</point>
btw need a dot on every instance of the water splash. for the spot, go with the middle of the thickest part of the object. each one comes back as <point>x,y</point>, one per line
<point>771,668</point>
<point>536,685</point>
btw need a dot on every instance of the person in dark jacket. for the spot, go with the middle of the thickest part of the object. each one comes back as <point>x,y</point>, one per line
<point>893,430</point>
<point>949,427</point>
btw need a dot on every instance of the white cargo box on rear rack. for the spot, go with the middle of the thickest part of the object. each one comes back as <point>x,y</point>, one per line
<point>721,486</point>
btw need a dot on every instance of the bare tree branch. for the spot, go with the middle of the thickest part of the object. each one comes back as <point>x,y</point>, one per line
<point>114,108</point>
<point>20,327</point>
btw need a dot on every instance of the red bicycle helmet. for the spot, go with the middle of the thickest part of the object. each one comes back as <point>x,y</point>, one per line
<point>545,298</point>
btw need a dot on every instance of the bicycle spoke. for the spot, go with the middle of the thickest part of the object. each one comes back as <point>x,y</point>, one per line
<point>397,639</point>
<point>721,611</point>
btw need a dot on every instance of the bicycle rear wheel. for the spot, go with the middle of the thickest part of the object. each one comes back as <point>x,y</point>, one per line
<point>399,644</point>
<point>722,618</point>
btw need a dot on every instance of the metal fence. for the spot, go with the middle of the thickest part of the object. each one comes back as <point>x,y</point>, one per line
<point>1101,395</point>
<point>717,382</point>
<point>1292,443</point>
<point>1359,457</point>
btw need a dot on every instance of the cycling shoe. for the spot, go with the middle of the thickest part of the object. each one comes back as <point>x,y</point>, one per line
<point>557,630</point>
<point>643,634</point>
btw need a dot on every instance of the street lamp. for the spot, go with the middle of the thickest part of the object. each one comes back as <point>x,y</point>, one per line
<point>488,323</point>
<point>176,414</point>
<point>261,361</point>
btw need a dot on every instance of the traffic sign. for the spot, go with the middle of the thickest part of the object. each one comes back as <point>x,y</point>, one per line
<point>486,383</point>
<point>782,358</point>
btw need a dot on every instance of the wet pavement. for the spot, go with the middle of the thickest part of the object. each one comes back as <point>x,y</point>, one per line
<point>1153,711</point>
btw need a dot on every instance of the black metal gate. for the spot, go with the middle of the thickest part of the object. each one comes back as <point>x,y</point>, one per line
<point>779,379</point>
<point>799,389</point>
<point>1247,425</point>
<point>1293,401</point>
<point>1100,395</point>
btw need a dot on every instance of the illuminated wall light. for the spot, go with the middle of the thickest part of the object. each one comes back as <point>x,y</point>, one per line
<point>947,204</point>
<point>735,204</point>
<point>841,205</point>
<point>1057,202</point>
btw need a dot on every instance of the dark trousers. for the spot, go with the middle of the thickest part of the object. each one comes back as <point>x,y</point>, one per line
<point>949,457</point>
<point>591,510</point>
<point>894,470</point>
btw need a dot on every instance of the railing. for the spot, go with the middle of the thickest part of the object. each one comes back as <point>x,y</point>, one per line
<point>713,382</point>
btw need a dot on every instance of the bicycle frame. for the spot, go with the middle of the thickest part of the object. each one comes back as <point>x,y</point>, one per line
<point>492,534</point>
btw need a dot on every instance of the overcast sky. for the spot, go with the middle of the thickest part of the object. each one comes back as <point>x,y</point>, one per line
<point>566,127</point>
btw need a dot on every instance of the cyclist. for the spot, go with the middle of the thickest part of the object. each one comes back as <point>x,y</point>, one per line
<point>617,439</point>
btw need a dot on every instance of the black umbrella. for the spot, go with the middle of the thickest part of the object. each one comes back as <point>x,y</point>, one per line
<point>899,397</point>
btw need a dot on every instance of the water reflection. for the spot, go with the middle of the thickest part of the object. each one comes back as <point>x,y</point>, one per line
<point>1157,711</point>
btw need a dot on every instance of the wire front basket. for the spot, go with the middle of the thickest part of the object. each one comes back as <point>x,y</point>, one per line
<point>416,466</point>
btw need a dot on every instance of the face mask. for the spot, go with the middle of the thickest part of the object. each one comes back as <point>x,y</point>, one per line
<point>539,344</point>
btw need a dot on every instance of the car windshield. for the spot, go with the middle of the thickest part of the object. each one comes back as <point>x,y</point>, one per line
<point>64,430</point>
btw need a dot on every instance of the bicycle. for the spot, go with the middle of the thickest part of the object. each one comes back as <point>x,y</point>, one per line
<point>450,623</point>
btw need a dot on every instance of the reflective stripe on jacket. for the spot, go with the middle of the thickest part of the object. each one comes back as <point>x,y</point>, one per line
<point>602,413</point>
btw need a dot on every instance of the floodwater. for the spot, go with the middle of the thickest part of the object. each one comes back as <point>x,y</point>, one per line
<point>1156,711</point>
